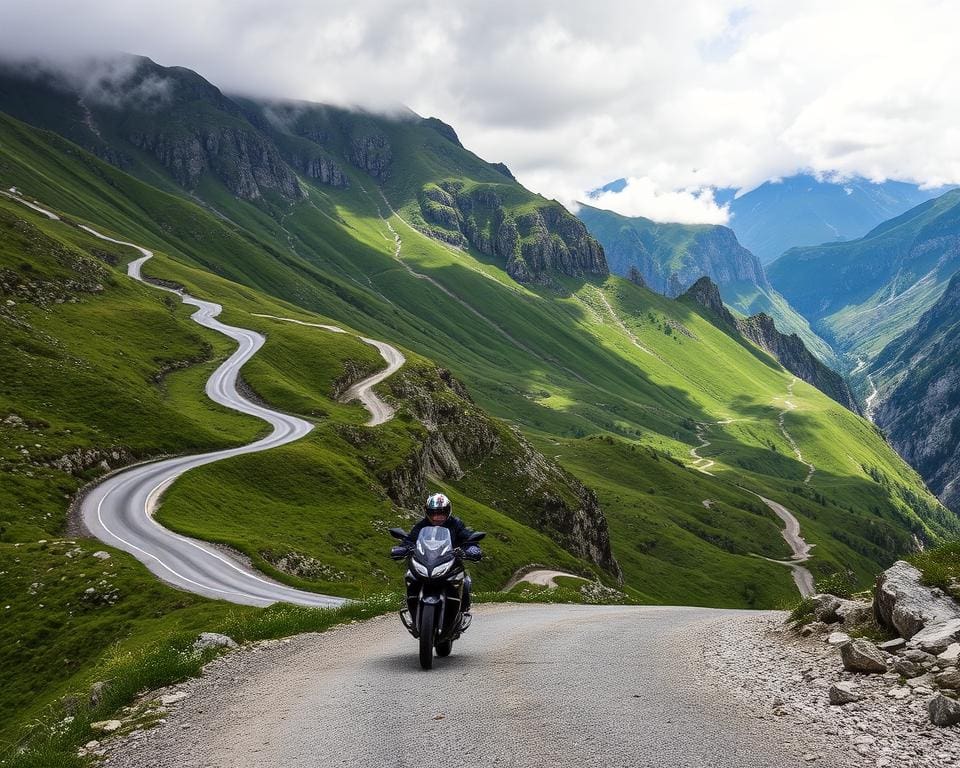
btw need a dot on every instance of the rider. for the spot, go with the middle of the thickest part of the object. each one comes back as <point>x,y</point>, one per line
<point>438,512</point>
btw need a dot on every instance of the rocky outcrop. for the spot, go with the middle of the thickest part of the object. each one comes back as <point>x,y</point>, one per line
<point>248,164</point>
<point>463,444</point>
<point>319,167</point>
<point>789,351</point>
<point>502,168</point>
<point>919,406</point>
<point>370,151</point>
<point>904,604</point>
<point>531,245</point>
<point>443,129</point>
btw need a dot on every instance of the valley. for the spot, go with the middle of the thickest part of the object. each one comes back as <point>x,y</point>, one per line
<point>559,406</point>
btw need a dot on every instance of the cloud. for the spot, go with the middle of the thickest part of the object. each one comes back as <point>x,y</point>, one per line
<point>679,95</point>
<point>642,197</point>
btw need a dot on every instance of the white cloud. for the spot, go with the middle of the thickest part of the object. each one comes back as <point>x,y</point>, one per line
<point>679,95</point>
<point>642,197</point>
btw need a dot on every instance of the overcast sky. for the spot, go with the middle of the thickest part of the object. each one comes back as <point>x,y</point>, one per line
<point>676,95</point>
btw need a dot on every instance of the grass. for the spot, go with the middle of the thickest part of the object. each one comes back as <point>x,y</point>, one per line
<point>941,567</point>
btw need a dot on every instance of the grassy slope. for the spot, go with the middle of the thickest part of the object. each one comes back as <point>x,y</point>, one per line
<point>672,241</point>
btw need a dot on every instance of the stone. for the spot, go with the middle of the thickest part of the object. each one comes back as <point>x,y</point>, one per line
<point>214,640</point>
<point>172,698</point>
<point>902,602</point>
<point>813,628</point>
<point>899,693</point>
<point>838,638</point>
<point>861,655</point>
<point>101,555</point>
<point>948,680</point>
<point>936,638</point>
<point>923,680</point>
<point>853,613</point>
<point>918,657</point>
<point>951,655</point>
<point>96,692</point>
<point>825,608</point>
<point>844,693</point>
<point>943,711</point>
<point>106,726</point>
<point>893,645</point>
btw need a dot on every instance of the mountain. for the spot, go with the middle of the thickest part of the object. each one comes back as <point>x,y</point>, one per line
<point>802,210</point>
<point>789,351</point>
<point>672,257</point>
<point>919,400</point>
<point>169,122</point>
<point>567,396</point>
<point>862,294</point>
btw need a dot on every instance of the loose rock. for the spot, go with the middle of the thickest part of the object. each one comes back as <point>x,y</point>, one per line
<point>214,640</point>
<point>861,655</point>
<point>944,711</point>
<point>106,726</point>
<point>844,693</point>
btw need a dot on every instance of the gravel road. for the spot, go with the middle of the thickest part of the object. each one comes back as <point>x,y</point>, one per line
<point>550,685</point>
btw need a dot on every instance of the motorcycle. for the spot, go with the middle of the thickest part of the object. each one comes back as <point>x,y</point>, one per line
<point>435,583</point>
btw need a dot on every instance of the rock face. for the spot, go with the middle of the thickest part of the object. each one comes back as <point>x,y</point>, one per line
<point>903,603</point>
<point>532,244</point>
<point>789,351</point>
<point>370,151</point>
<point>920,407</point>
<point>461,442</point>
<point>861,655</point>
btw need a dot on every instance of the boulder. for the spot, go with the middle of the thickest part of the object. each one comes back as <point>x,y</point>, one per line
<point>919,657</point>
<point>949,680</point>
<point>861,655</point>
<point>936,638</point>
<point>844,693</point>
<point>838,638</point>
<point>903,603</point>
<point>951,655</point>
<point>854,613</point>
<point>213,640</point>
<point>825,608</point>
<point>907,668</point>
<point>944,711</point>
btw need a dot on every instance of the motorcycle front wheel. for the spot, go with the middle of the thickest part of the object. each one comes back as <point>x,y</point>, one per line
<point>427,615</point>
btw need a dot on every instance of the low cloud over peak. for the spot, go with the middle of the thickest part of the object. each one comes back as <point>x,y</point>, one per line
<point>678,96</point>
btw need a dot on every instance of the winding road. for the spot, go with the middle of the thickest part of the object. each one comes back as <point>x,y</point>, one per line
<point>119,510</point>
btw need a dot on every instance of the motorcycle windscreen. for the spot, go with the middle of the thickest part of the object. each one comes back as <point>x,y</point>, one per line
<point>433,543</point>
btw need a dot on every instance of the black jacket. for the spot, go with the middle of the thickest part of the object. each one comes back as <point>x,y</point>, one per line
<point>458,531</point>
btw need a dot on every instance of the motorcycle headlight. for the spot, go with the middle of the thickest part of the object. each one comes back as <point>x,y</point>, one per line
<point>442,568</point>
<point>421,569</point>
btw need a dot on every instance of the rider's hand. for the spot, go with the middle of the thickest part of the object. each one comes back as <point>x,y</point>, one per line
<point>458,553</point>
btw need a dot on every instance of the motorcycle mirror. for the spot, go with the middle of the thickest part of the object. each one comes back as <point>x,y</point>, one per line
<point>476,536</point>
<point>398,533</point>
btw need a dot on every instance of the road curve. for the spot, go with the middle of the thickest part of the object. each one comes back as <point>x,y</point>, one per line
<point>527,686</point>
<point>380,410</point>
<point>119,510</point>
<point>801,549</point>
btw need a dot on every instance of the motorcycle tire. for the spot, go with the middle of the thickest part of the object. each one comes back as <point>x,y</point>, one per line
<point>444,648</point>
<point>427,616</point>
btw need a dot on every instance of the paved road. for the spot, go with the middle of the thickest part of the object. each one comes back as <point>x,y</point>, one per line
<point>118,511</point>
<point>527,686</point>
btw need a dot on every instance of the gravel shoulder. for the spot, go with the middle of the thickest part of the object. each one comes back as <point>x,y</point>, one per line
<point>531,685</point>
<point>788,677</point>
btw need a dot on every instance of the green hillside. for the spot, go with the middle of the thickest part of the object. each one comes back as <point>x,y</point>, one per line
<point>672,257</point>
<point>614,382</point>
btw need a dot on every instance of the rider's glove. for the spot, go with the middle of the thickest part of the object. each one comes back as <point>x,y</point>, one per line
<point>472,552</point>
<point>398,553</point>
